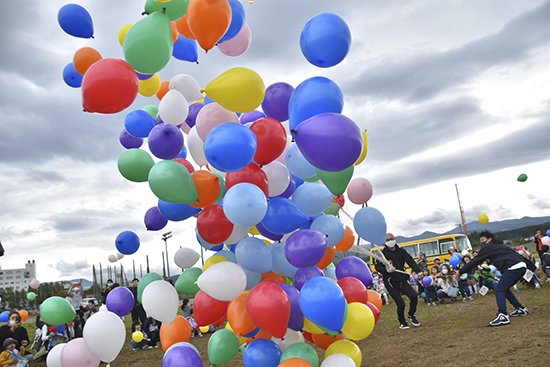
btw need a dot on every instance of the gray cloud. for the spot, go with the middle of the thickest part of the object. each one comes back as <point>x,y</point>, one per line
<point>77,268</point>
<point>438,217</point>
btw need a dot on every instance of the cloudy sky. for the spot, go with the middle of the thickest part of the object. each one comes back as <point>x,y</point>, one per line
<point>450,92</point>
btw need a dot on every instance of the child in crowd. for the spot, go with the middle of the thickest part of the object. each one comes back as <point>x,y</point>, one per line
<point>487,277</point>
<point>463,286</point>
<point>194,326</point>
<point>141,344</point>
<point>10,356</point>
<point>428,293</point>
<point>445,285</point>
<point>152,327</point>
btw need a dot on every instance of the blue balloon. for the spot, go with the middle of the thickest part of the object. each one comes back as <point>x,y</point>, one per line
<point>297,164</point>
<point>325,40</point>
<point>238,17</point>
<point>454,261</point>
<point>176,212</point>
<point>230,147</point>
<point>71,77</point>
<point>252,278</point>
<point>127,242</point>
<point>283,216</point>
<point>245,204</point>
<point>312,97</point>
<point>206,245</point>
<point>208,100</point>
<point>331,226</point>
<point>76,21</point>
<point>299,182</point>
<point>323,303</point>
<point>60,329</point>
<point>280,262</point>
<point>230,256</point>
<point>312,198</point>
<point>4,316</point>
<point>233,248</point>
<point>185,49</point>
<point>264,232</point>
<point>305,274</point>
<point>129,141</point>
<point>183,153</point>
<point>262,352</point>
<point>253,255</point>
<point>139,123</point>
<point>289,189</point>
<point>370,224</point>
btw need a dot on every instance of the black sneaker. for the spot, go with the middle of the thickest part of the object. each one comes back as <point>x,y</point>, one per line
<point>404,326</point>
<point>520,312</point>
<point>414,321</point>
<point>501,319</point>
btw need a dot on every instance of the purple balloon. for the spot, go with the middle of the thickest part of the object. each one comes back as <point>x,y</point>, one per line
<point>251,117</point>
<point>158,120</point>
<point>129,141</point>
<point>427,281</point>
<point>305,248</point>
<point>305,274</point>
<point>193,112</point>
<point>352,266</point>
<point>329,141</point>
<point>165,141</point>
<point>289,189</point>
<point>277,97</point>
<point>415,278</point>
<point>266,233</point>
<point>296,321</point>
<point>181,356</point>
<point>154,221</point>
<point>120,301</point>
<point>143,76</point>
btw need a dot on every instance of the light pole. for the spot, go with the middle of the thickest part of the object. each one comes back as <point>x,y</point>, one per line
<point>165,237</point>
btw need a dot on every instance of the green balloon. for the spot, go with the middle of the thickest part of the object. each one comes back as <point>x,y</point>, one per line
<point>336,182</point>
<point>522,177</point>
<point>312,179</point>
<point>135,164</point>
<point>242,348</point>
<point>333,209</point>
<point>303,351</point>
<point>152,110</point>
<point>148,44</point>
<point>223,189</point>
<point>31,296</point>
<point>145,281</point>
<point>223,346</point>
<point>57,311</point>
<point>175,9</point>
<point>187,282</point>
<point>171,181</point>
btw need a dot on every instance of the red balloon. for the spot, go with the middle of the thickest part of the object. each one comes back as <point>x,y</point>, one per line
<point>340,200</point>
<point>269,308</point>
<point>109,86</point>
<point>208,310</point>
<point>308,336</point>
<point>271,136</point>
<point>213,225</point>
<point>252,174</point>
<point>374,310</point>
<point>186,164</point>
<point>354,290</point>
<point>323,341</point>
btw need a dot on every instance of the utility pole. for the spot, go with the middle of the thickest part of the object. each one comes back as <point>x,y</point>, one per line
<point>140,271</point>
<point>147,258</point>
<point>163,265</point>
<point>100,276</point>
<point>165,237</point>
<point>462,216</point>
<point>134,268</point>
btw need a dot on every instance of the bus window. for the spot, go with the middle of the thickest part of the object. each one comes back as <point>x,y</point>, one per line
<point>464,243</point>
<point>445,244</point>
<point>412,250</point>
<point>429,248</point>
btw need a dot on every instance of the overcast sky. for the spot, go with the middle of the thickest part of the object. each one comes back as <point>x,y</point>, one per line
<point>450,92</point>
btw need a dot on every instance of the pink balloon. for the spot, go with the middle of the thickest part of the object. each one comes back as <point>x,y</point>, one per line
<point>34,284</point>
<point>359,190</point>
<point>546,240</point>
<point>239,44</point>
<point>212,115</point>
<point>185,128</point>
<point>76,354</point>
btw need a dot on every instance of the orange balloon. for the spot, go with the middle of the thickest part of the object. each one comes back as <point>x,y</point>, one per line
<point>323,341</point>
<point>295,362</point>
<point>238,317</point>
<point>84,58</point>
<point>262,334</point>
<point>208,20</point>
<point>164,87</point>
<point>175,33</point>
<point>346,242</point>
<point>375,298</point>
<point>274,276</point>
<point>208,188</point>
<point>328,257</point>
<point>24,315</point>
<point>177,331</point>
<point>183,27</point>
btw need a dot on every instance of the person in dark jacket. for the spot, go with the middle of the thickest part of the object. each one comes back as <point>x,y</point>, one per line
<point>138,312</point>
<point>397,282</point>
<point>512,266</point>
<point>16,331</point>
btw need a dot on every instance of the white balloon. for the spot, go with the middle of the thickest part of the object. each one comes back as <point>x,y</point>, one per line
<point>173,108</point>
<point>196,147</point>
<point>218,172</point>
<point>338,360</point>
<point>103,308</point>
<point>54,356</point>
<point>186,257</point>
<point>104,334</point>
<point>223,281</point>
<point>282,157</point>
<point>187,86</point>
<point>291,337</point>
<point>277,177</point>
<point>113,258</point>
<point>119,255</point>
<point>237,234</point>
<point>160,301</point>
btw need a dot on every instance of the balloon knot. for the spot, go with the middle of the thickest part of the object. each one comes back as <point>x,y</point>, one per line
<point>197,62</point>
<point>164,10</point>
<point>92,37</point>
<point>144,13</point>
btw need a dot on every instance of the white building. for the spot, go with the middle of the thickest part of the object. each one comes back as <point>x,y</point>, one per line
<point>18,278</point>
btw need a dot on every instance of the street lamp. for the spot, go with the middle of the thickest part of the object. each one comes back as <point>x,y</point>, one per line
<point>165,237</point>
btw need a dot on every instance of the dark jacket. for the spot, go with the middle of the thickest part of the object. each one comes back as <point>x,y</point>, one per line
<point>20,334</point>
<point>500,255</point>
<point>398,258</point>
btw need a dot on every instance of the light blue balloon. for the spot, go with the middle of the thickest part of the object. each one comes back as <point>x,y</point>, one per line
<point>322,301</point>
<point>253,255</point>
<point>230,256</point>
<point>185,49</point>
<point>297,164</point>
<point>280,262</point>
<point>370,224</point>
<point>245,204</point>
<point>312,198</point>
<point>330,271</point>
<point>230,147</point>
<point>238,17</point>
<point>283,216</point>
<point>203,243</point>
<point>252,278</point>
<point>331,226</point>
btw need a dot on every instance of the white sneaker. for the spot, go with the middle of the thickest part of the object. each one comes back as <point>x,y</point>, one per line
<point>500,320</point>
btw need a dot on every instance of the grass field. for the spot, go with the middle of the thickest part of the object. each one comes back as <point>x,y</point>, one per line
<point>455,333</point>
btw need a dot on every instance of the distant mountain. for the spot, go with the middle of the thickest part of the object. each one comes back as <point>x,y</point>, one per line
<point>86,284</point>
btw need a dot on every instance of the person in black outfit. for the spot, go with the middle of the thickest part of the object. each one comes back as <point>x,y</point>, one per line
<point>397,283</point>
<point>512,266</point>
<point>16,331</point>
<point>138,312</point>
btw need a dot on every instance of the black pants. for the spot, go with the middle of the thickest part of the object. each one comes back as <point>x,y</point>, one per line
<point>138,316</point>
<point>503,292</point>
<point>395,289</point>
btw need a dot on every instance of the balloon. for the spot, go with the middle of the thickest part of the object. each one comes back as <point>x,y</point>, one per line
<point>250,117</point>
<point>323,341</point>
<point>185,49</point>
<point>109,86</point>
<point>54,356</point>
<point>230,147</point>
<point>84,58</point>
<point>176,212</point>
<point>522,177</point>
<point>297,164</point>
<point>331,226</point>
<point>71,77</point>
<point>210,116</point>
<point>375,311</point>
<point>224,281</point>
<point>160,301</point>
<point>346,242</point>
<point>276,101</point>
<point>213,225</point>
<point>216,259</point>
<point>31,296</point>
<point>323,302</point>
<point>359,190</point>
<point>295,362</point>
<point>154,221</point>
<point>112,258</point>
<point>325,40</point>
<point>291,338</point>
<point>4,316</point>
<point>24,314</point>
<point>237,234</point>
<point>76,21</point>
<point>164,88</point>
<point>301,351</point>
<point>76,354</point>
<point>196,147</point>
<point>280,262</point>
<point>177,331</point>
<point>128,141</point>
<point>370,225</point>
<point>139,123</point>
<point>359,322</point>
<point>305,248</point>
<point>145,281</point>
<point>186,257</point>
<point>238,90</point>
<point>208,188</point>
<point>337,182</point>
<point>283,216</point>
<point>254,255</point>
<point>296,321</point>
<point>238,317</point>
<point>375,299</point>
<point>208,21</point>
<point>252,174</point>
<point>483,219</point>
<point>135,164</point>
<point>347,348</point>
<point>328,258</point>
<point>312,198</point>
<point>127,243</point>
<point>187,86</point>
<point>352,266</point>
<point>329,129</point>
<point>186,283</point>
<point>245,205</point>
<point>137,336</point>
<point>305,274</point>
<point>181,355</point>
<point>223,346</point>
<point>277,177</point>
<point>354,290</point>
<point>338,360</point>
<point>105,334</point>
<point>289,191</point>
<point>269,308</point>
<point>454,261</point>
<point>365,148</point>
<point>208,310</point>
<point>262,352</point>
<point>119,255</point>
<point>173,108</point>
<point>271,137</point>
<point>171,182</point>
<point>546,240</point>
<point>194,110</point>
<point>120,301</point>
<point>122,31</point>
<point>148,44</point>
<point>175,9</point>
<point>239,44</point>
<point>149,87</point>
<point>238,16</point>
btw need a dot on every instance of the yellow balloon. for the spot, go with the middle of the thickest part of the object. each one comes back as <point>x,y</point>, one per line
<point>345,347</point>
<point>213,260</point>
<point>359,322</point>
<point>149,87</point>
<point>311,327</point>
<point>163,1</point>
<point>365,149</point>
<point>122,32</point>
<point>237,90</point>
<point>254,231</point>
<point>242,339</point>
<point>137,336</point>
<point>483,219</point>
<point>204,329</point>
